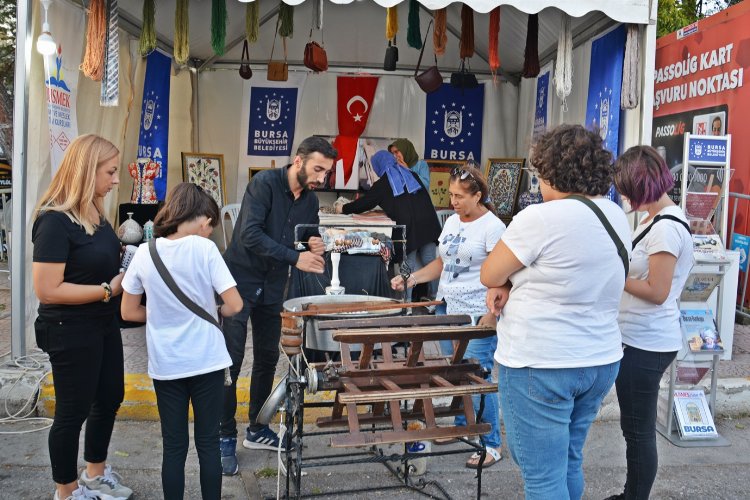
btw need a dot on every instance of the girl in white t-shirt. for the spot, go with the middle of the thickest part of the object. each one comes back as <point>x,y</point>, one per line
<point>649,311</point>
<point>186,354</point>
<point>467,238</point>
<point>558,339</point>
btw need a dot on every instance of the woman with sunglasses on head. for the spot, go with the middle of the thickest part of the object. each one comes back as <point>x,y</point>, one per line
<point>468,237</point>
<point>406,200</point>
<point>649,310</point>
<point>558,338</point>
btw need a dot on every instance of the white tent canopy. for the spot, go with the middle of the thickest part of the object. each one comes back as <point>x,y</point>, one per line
<point>205,98</point>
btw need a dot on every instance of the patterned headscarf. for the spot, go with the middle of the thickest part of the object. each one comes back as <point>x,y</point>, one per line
<point>399,178</point>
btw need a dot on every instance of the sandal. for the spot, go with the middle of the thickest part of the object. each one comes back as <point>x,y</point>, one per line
<point>493,456</point>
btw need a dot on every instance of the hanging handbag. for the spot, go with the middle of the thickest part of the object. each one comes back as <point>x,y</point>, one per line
<point>278,71</point>
<point>184,299</point>
<point>464,79</point>
<point>391,56</point>
<point>429,80</point>
<point>315,56</point>
<point>246,72</point>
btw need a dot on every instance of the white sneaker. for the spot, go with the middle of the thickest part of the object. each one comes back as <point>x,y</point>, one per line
<point>80,493</point>
<point>108,486</point>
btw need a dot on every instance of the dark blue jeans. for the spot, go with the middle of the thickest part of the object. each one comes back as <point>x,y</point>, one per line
<point>172,398</point>
<point>266,329</point>
<point>637,392</point>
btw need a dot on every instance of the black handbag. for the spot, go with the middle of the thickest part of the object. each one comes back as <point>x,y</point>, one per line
<point>246,72</point>
<point>391,56</point>
<point>463,78</point>
<point>430,79</point>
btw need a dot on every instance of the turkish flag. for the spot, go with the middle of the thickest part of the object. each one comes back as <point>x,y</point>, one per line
<point>355,98</point>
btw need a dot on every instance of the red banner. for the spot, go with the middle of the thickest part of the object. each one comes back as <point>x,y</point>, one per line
<point>355,98</point>
<point>701,87</point>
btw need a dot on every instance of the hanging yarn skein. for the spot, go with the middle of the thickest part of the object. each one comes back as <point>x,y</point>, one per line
<point>564,63</point>
<point>181,32</point>
<point>391,22</point>
<point>413,35</point>
<point>531,52</point>
<point>439,34</point>
<point>494,42</point>
<point>631,70</point>
<point>466,43</point>
<point>147,42</point>
<point>317,19</point>
<point>96,35</point>
<point>286,20</point>
<point>252,23</point>
<point>218,26</point>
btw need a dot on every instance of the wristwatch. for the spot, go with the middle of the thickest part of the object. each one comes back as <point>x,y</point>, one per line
<point>107,292</point>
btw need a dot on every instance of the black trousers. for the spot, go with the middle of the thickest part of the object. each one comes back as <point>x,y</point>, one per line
<point>266,328</point>
<point>637,392</point>
<point>172,398</point>
<point>87,368</point>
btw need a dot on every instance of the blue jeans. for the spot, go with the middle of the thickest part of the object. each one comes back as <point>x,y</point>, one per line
<point>638,392</point>
<point>547,415</point>
<point>417,259</point>
<point>483,350</point>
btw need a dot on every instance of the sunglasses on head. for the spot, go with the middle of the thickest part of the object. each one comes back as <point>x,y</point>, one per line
<point>461,173</point>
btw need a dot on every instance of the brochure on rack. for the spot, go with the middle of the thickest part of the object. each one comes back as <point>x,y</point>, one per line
<point>694,419</point>
<point>699,330</point>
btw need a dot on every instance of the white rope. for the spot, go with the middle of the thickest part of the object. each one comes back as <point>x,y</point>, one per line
<point>564,64</point>
<point>28,363</point>
<point>631,71</point>
<point>280,466</point>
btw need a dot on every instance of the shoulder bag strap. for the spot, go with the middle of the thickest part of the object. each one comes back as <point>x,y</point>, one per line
<point>621,250</point>
<point>184,299</point>
<point>273,46</point>
<point>421,53</point>
<point>245,54</point>
<point>657,219</point>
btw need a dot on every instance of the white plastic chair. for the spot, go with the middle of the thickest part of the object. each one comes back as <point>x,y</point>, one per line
<point>443,215</point>
<point>233,210</point>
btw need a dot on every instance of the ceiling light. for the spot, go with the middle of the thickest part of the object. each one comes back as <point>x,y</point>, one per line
<point>45,44</point>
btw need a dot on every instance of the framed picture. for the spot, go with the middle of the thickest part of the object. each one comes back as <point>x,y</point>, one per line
<point>440,179</point>
<point>251,171</point>
<point>207,171</point>
<point>504,181</point>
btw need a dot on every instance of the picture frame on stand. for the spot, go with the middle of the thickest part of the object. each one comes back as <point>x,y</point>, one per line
<point>251,171</point>
<point>206,170</point>
<point>440,179</point>
<point>504,181</point>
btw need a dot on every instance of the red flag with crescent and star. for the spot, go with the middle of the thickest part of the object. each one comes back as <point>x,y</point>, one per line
<point>355,98</point>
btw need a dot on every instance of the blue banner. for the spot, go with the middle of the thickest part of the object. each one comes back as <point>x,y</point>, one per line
<point>453,126</point>
<point>741,243</point>
<point>605,82</point>
<point>273,114</point>
<point>154,136</point>
<point>540,110</point>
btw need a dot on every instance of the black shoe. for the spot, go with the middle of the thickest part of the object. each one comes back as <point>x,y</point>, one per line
<point>621,496</point>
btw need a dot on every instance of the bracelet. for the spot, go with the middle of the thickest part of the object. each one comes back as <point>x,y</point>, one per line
<point>415,279</point>
<point>107,292</point>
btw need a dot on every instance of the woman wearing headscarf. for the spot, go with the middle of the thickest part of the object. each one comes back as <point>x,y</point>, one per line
<point>407,156</point>
<point>405,200</point>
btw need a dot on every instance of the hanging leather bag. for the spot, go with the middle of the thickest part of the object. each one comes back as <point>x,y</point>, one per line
<point>278,71</point>
<point>464,78</point>
<point>429,80</point>
<point>391,56</point>
<point>315,56</point>
<point>246,72</point>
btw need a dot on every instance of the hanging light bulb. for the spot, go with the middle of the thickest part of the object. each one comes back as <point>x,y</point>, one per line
<point>45,44</point>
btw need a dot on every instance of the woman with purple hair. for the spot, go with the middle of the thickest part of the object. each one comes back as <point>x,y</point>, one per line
<point>649,312</point>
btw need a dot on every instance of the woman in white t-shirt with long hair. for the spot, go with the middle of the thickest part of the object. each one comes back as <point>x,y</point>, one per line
<point>187,355</point>
<point>649,311</point>
<point>467,238</point>
<point>559,344</point>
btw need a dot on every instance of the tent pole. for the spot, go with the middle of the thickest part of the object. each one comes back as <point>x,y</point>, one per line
<point>20,142</point>
<point>649,68</point>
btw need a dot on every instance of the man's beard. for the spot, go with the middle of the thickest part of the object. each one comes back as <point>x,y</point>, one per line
<point>303,178</point>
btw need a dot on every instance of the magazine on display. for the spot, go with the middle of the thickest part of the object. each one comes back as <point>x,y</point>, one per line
<point>694,419</point>
<point>699,287</point>
<point>699,329</point>
<point>708,248</point>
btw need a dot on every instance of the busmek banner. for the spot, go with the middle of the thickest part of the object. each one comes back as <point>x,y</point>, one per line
<point>453,126</point>
<point>700,87</point>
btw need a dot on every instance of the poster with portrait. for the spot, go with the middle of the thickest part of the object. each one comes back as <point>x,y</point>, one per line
<point>205,170</point>
<point>440,179</point>
<point>504,181</point>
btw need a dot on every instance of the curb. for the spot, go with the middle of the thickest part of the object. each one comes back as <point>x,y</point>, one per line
<point>140,400</point>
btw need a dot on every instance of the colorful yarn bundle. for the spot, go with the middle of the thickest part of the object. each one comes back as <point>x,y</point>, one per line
<point>147,42</point>
<point>96,35</point>
<point>181,32</point>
